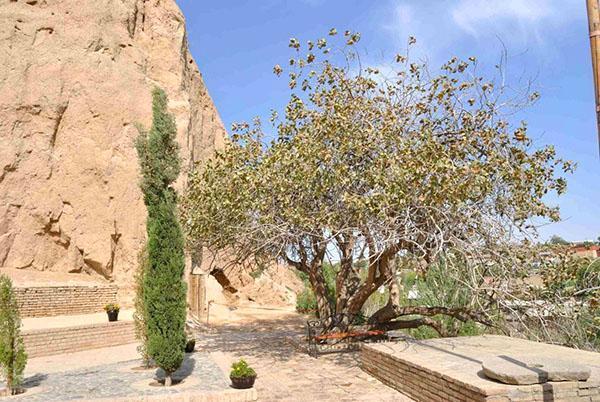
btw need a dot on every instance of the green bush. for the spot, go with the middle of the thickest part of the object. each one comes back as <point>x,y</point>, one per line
<point>12,351</point>
<point>164,288</point>
<point>439,287</point>
<point>306,301</point>
<point>570,281</point>
<point>241,369</point>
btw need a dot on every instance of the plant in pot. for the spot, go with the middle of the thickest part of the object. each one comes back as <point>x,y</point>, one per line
<point>242,376</point>
<point>190,344</point>
<point>112,309</point>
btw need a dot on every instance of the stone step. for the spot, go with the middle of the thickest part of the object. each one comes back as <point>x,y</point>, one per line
<point>48,301</point>
<point>53,341</point>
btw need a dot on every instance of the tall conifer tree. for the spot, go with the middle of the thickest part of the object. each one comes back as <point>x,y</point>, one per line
<point>164,288</point>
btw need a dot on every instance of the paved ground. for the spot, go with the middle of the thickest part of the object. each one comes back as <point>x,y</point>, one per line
<point>286,373</point>
<point>81,360</point>
<point>199,374</point>
<point>271,346</point>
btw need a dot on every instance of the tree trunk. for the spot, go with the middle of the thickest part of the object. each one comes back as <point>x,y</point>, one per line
<point>168,380</point>
<point>317,282</point>
<point>10,368</point>
<point>223,280</point>
<point>388,312</point>
<point>379,274</point>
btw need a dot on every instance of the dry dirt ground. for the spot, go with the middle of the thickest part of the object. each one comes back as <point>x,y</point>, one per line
<point>270,342</point>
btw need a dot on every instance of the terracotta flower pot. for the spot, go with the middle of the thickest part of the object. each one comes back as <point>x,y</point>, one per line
<point>243,382</point>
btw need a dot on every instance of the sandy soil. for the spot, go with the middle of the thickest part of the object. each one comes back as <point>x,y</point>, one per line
<point>249,305</point>
<point>250,313</point>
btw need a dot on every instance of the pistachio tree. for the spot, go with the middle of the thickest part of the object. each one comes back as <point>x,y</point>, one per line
<point>368,165</point>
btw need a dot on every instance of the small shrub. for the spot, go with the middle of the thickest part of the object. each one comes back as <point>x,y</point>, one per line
<point>306,301</point>
<point>12,351</point>
<point>439,288</point>
<point>241,369</point>
<point>112,307</point>
<point>571,288</point>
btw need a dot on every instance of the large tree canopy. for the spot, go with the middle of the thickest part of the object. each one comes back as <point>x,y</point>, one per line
<point>368,165</point>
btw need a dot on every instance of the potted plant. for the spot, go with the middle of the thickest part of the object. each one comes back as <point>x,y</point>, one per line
<point>242,376</point>
<point>112,309</point>
<point>190,345</point>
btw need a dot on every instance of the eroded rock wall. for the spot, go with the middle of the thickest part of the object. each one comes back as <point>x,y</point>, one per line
<point>75,79</point>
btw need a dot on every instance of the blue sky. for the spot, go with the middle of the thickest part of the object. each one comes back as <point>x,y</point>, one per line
<point>237,42</point>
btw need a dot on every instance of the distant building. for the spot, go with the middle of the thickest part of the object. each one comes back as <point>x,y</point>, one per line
<point>591,251</point>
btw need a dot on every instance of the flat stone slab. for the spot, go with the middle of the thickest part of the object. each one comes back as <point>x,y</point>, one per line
<point>450,369</point>
<point>526,370</point>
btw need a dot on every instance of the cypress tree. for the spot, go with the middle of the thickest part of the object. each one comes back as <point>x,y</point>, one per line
<point>140,315</point>
<point>12,351</point>
<point>164,289</point>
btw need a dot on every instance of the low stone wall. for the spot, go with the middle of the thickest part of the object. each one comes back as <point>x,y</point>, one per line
<point>46,301</point>
<point>46,342</point>
<point>413,380</point>
<point>449,370</point>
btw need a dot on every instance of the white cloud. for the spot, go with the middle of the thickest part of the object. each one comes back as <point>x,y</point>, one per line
<point>519,20</point>
<point>472,15</point>
<point>443,24</point>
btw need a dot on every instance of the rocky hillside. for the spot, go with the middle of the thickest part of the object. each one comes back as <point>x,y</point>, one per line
<point>75,79</point>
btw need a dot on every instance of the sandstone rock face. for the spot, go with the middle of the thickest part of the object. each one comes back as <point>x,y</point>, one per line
<point>75,79</point>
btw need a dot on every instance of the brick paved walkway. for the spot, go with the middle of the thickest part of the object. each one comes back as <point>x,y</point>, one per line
<point>286,373</point>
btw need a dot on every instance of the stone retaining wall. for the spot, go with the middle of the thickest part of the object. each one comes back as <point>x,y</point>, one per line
<point>46,342</point>
<point>423,384</point>
<point>45,301</point>
<point>413,380</point>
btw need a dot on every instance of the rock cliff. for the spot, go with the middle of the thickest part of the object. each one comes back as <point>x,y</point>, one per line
<point>75,79</point>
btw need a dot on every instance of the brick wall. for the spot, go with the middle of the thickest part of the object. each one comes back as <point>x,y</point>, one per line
<point>44,301</point>
<point>46,342</point>
<point>422,384</point>
<point>413,380</point>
